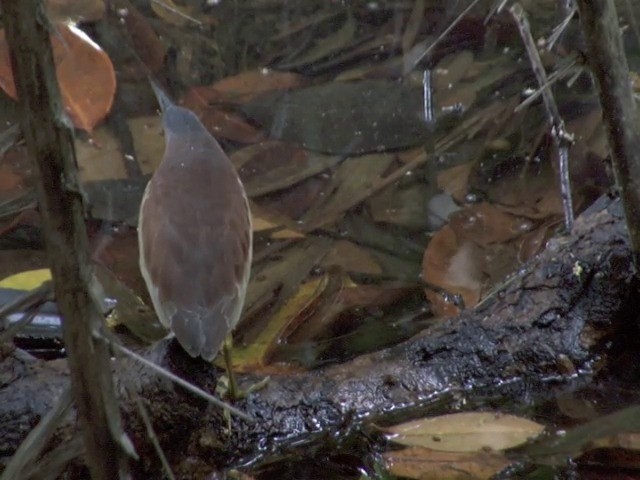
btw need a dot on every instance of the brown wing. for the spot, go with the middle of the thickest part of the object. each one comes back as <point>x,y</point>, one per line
<point>197,251</point>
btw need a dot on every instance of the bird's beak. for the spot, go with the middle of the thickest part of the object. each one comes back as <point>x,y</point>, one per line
<point>163,99</point>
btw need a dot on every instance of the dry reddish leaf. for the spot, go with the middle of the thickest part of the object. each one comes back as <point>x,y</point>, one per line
<point>533,242</point>
<point>484,224</point>
<point>28,217</point>
<point>221,122</point>
<point>455,267</point>
<point>146,42</point>
<point>298,199</point>
<point>372,295</point>
<point>245,86</point>
<point>352,258</point>
<point>455,181</point>
<point>85,75</point>
<point>256,161</point>
<point>9,180</point>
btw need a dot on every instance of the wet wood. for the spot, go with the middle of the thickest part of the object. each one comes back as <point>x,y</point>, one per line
<point>551,322</point>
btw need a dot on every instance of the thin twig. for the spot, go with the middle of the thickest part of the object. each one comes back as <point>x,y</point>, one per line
<point>446,31</point>
<point>561,138</point>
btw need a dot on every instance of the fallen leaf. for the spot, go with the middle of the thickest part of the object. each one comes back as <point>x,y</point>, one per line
<point>255,355</point>
<point>466,432</point>
<point>426,464</point>
<point>349,185</point>
<point>145,41</point>
<point>85,75</point>
<point>484,224</point>
<point>245,86</point>
<point>220,121</point>
<point>344,118</point>
<point>271,166</point>
<point>9,180</point>
<point>455,181</point>
<point>455,267</point>
<point>352,258</point>
<point>26,280</point>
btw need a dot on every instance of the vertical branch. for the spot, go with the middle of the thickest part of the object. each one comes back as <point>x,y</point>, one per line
<point>50,144</point>
<point>606,57</point>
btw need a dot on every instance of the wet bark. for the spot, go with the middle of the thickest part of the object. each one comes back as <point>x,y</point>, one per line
<point>553,320</point>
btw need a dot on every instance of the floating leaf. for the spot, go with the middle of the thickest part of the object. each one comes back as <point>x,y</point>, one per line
<point>466,432</point>
<point>85,75</point>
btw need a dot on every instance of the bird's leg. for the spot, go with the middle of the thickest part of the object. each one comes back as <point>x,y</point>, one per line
<point>233,391</point>
<point>228,363</point>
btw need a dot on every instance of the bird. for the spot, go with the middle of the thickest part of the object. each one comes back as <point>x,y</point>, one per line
<point>195,235</point>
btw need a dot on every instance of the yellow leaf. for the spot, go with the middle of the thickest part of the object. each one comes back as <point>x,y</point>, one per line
<point>256,354</point>
<point>26,280</point>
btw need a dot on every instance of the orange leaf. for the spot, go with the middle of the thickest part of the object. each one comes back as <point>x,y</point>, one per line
<point>85,75</point>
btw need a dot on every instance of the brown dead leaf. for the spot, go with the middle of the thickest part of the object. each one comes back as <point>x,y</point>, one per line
<point>455,181</point>
<point>220,121</point>
<point>534,242</point>
<point>245,86</point>
<point>352,258</point>
<point>85,75</point>
<point>9,180</point>
<point>264,219</point>
<point>271,166</point>
<point>426,464</point>
<point>454,266</point>
<point>485,224</point>
<point>298,199</point>
<point>144,39</point>
<point>372,295</point>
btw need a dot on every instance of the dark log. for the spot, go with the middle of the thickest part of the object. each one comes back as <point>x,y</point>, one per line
<point>553,320</point>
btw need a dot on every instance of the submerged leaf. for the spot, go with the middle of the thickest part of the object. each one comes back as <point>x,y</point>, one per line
<point>466,432</point>
<point>344,118</point>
